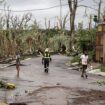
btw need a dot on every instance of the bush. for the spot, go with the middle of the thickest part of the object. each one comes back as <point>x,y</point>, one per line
<point>91,55</point>
<point>102,68</point>
<point>75,59</point>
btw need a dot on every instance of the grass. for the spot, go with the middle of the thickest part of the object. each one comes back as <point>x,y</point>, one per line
<point>102,68</point>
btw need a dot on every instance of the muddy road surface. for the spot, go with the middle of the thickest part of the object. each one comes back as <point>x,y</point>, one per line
<point>61,86</point>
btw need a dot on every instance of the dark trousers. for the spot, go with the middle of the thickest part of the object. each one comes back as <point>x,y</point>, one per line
<point>84,67</point>
<point>46,64</point>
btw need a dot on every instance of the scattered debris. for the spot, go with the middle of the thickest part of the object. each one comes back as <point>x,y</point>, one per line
<point>58,84</point>
<point>100,83</point>
<point>74,64</point>
<point>4,84</point>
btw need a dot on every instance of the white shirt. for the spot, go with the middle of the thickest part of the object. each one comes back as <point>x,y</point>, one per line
<point>84,59</point>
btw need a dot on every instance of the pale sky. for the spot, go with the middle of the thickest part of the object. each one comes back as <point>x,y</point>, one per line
<point>50,13</point>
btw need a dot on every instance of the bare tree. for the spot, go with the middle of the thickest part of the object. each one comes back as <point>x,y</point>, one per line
<point>99,9</point>
<point>62,22</point>
<point>2,22</point>
<point>65,20</point>
<point>45,23</point>
<point>49,23</point>
<point>90,21</point>
<point>99,4</point>
<point>14,22</point>
<point>72,8</point>
<point>73,4</point>
<point>27,18</point>
<point>103,17</point>
<point>18,25</point>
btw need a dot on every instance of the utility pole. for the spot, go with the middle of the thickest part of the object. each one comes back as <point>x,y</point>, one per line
<point>90,22</point>
<point>61,14</point>
<point>99,9</point>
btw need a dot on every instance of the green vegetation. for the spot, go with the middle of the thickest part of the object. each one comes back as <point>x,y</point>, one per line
<point>91,55</point>
<point>85,39</point>
<point>18,35</point>
<point>100,83</point>
<point>102,68</point>
<point>75,59</point>
<point>29,41</point>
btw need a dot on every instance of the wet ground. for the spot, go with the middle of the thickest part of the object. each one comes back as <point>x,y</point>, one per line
<point>61,86</point>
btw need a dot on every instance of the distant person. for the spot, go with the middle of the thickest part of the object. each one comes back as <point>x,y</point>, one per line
<point>84,62</point>
<point>40,51</point>
<point>46,59</point>
<point>18,63</point>
<point>63,49</point>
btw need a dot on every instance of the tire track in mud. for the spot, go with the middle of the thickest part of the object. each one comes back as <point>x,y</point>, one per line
<point>39,95</point>
<point>60,95</point>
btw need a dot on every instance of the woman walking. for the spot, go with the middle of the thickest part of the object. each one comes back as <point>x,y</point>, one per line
<point>17,63</point>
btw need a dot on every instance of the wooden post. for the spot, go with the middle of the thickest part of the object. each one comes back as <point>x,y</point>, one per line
<point>104,48</point>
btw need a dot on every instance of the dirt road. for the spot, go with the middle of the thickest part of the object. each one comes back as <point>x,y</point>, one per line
<point>61,86</point>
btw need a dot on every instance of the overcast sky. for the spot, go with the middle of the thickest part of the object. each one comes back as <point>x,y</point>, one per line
<point>50,13</point>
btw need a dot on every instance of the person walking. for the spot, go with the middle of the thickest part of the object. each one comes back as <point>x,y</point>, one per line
<point>46,59</point>
<point>18,63</point>
<point>84,62</point>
